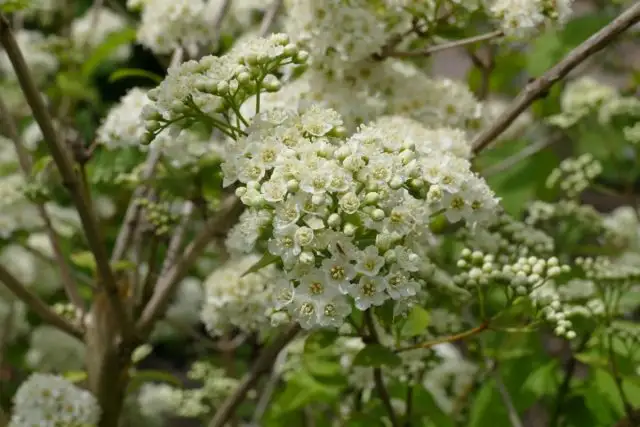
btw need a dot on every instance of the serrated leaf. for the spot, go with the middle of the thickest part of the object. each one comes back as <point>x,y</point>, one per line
<point>417,321</point>
<point>267,259</point>
<point>124,73</point>
<point>103,51</point>
<point>84,259</point>
<point>375,355</point>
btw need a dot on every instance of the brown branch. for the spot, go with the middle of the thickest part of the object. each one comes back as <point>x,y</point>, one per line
<point>537,87</point>
<point>24,159</point>
<point>175,243</point>
<point>444,46</point>
<point>227,215</point>
<point>451,338</point>
<point>270,17</point>
<point>36,304</point>
<point>260,366</point>
<point>67,170</point>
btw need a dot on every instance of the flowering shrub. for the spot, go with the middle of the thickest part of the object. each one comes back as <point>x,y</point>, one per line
<point>271,213</point>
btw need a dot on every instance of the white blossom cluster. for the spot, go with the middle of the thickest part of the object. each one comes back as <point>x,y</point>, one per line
<point>16,211</point>
<point>632,133</point>
<point>51,350</point>
<point>124,127</point>
<point>32,270</point>
<point>51,401</point>
<point>91,30</point>
<point>574,175</point>
<point>208,89</point>
<point>33,46</point>
<point>521,18</point>
<point>345,214</point>
<point>580,98</point>
<point>235,299</point>
<point>157,401</point>
<point>166,25</point>
<point>337,33</point>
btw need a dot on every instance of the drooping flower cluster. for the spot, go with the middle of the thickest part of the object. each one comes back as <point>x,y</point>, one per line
<point>345,214</point>
<point>51,401</point>
<point>521,18</point>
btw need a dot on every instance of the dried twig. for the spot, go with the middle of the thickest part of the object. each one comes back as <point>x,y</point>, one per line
<point>36,304</point>
<point>68,171</point>
<point>540,85</point>
<point>262,364</point>
<point>444,46</point>
<point>24,159</point>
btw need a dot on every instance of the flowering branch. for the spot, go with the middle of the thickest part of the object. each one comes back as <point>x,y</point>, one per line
<point>36,304</point>
<point>537,87</point>
<point>445,46</point>
<point>165,287</point>
<point>68,281</point>
<point>451,338</point>
<point>261,365</point>
<point>67,170</point>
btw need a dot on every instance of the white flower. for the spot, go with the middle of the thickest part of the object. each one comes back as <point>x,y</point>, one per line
<point>369,262</point>
<point>93,28</point>
<point>50,400</point>
<point>368,291</point>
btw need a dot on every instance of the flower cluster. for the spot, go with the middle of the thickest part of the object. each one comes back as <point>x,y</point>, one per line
<point>49,400</point>
<point>32,44</point>
<point>345,214</point>
<point>93,28</point>
<point>209,89</point>
<point>521,18</point>
<point>51,350</point>
<point>580,98</point>
<point>166,25</point>
<point>236,299</point>
<point>184,311</point>
<point>574,175</point>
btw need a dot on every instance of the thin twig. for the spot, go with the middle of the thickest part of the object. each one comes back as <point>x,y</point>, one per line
<point>132,214</point>
<point>451,338</point>
<point>516,158</point>
<point>377,373</point>
<point>261,365</point>
<point>36,304</point>
<point>514,418</point>
<point>540,85</point>
<point>270,17</point>
<point>165,287</point>
<point>68,171</point>
<point>24,159</point>
<point>269,388</point>
<point>175,243</point>
<point>445,46</point>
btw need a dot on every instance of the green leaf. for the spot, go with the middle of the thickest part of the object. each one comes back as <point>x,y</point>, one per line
<point>320,340</point>
<point>544,53</point>
<point>124,73</point>
<point>75,376</point>
<point>84,259</point>
<point>101,53</point>
<point>416,323</point>
<point>267,259</point>
<point>301,390</point>
<point>376,355</point>
<point>139,378</point>
<point>41,165</point>
<point>76,86</point>
<point>543,381</point>
<point>123,265</point>
<point>141,353</point>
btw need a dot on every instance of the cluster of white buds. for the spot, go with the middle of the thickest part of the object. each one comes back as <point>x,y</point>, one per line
<point>574,175</point>
<point>556,313</point>
<point>212,90</point>
<point>68,310</point>
<point>523,275</point>
<point>345,215</point>
<point>521,18</point>
<point>159,215</point>
<point>580,98</point>
<point>632,133</point>
<point>604,270</point>
<point>508,239</point>
<point>49,400</point>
